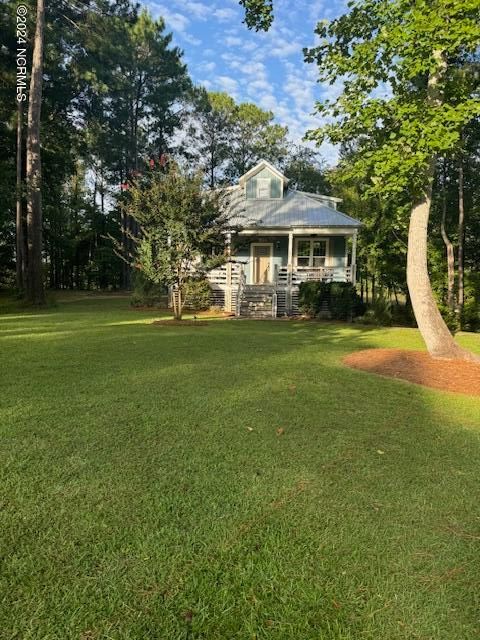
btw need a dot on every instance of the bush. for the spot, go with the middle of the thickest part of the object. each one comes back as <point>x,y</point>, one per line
<point>451,317</point>
<point>402,315</point>
<point>470,316</point>
<point>197,295</point>
<point>146,293</point>
<point>378,313</point>
<point>341,299</point>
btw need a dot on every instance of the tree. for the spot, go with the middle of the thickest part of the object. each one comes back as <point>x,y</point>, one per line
<point>35,289</point>
<point>305,170</point>
<point>399,62</point>
<point>182,229</point>
<point>254,137</point>
<point>211,133</point>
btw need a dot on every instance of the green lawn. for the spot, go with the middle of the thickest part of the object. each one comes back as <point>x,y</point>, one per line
<point>145,493</point>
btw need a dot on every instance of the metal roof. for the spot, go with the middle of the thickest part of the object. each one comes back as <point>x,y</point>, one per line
<point>295,209</point>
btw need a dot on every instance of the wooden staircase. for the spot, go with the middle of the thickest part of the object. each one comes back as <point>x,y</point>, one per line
<point>257,301</point>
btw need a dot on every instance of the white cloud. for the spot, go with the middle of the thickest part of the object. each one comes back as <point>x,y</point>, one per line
<point>225,14</point>
<point>195,9</point>
<point>232,41</point>
<point>176,21</point>
<point>230,85</point>
<point>191,39</point>
<point>207,66</point>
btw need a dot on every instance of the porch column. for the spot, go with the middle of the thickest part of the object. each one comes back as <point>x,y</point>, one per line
<point>289,272</point>
<point>228,289</point>
<point>354,257</point>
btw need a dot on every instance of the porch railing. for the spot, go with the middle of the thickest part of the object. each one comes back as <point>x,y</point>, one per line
<point>306,274</point>
<point>220,274</point>
<point>242,281</point>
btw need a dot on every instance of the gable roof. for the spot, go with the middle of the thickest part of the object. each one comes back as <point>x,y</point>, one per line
<point>263,164</point>
<point>295,209</point>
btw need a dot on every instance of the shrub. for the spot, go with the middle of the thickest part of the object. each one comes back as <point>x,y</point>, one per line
<point>470,316</point>
<point>197,294</point>
<point>341,299</point>
<point>146,293</point>
<point>402,314</point>
<point>451,317</point>
<point>378,313</point>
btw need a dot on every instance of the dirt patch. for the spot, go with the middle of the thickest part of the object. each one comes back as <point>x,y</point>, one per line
<point>458,376</point>
<point>181,323</point>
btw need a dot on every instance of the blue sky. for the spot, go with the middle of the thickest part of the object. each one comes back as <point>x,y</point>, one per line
<point>264,68</point>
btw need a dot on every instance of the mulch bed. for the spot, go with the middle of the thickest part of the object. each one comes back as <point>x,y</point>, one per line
<point>459,376</point>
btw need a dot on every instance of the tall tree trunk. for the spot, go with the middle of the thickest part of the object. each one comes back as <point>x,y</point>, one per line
<point>20,237</point>
<point>449,248</point>
<point>435,333</point>
<point>461,236</point>
<point>35,290</point>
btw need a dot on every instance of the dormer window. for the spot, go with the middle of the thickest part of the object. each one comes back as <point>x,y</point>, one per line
<point>264,188</point>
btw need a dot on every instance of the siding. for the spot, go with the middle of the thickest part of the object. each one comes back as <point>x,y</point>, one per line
<point>280,253</point>
<point>275,185</point>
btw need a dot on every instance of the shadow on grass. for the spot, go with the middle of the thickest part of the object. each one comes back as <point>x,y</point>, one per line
<point>241,474</point>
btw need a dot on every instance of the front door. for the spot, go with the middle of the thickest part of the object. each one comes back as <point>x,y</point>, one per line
<point>262,257</point>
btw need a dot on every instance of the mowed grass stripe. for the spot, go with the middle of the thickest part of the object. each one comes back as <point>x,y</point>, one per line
<point>146,491</point>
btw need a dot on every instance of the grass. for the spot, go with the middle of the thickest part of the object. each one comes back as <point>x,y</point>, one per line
<point>146,494</point>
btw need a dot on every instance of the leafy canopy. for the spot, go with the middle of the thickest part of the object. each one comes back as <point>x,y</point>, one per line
<point>183,227</point>
<point>383,53</point>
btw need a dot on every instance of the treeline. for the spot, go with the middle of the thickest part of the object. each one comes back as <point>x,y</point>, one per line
<point>117,96</point>
<point>454,238</point>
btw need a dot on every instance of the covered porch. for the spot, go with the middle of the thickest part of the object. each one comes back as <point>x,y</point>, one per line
<point>273,263</point>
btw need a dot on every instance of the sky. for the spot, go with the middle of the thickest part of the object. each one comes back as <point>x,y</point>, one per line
<point>264,68</point>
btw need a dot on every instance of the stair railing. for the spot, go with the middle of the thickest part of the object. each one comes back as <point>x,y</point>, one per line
<point>242,281</point>
<point>274,293</point>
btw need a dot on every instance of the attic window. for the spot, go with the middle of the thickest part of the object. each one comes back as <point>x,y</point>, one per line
<point>263,188</point>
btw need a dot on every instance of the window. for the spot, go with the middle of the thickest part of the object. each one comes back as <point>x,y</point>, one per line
<point>263,187</point>
<point>311,253</point>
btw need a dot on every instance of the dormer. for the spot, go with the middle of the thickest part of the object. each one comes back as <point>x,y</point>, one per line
<point>263,182</point>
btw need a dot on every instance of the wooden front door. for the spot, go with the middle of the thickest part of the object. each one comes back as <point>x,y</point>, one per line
<point>262,256</point>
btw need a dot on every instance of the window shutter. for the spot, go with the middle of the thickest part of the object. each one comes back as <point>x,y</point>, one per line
<point>276,188</point>
<point>252,188</point>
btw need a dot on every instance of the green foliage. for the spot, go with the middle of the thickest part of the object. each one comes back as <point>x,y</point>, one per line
<point>226,139</point>
<point>182,227</point>
<point>211,134</point>
<point>198,294</point>
<point>305,171</point>
<point>450,316</point>
<point>111,89</point>
<point>258,14</point>
<point>470,316</point>
<point>254,137</point>
<point>384,53</point>
<point>147,293</point>
<point>340,298</point>
<point>379,313</point>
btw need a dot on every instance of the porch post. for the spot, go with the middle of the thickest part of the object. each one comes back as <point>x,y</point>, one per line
<point>228,290</point>
<point>354,257</point>
<point>289,272</point>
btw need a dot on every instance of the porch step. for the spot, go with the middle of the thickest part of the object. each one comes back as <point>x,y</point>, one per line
<point>257,301</point>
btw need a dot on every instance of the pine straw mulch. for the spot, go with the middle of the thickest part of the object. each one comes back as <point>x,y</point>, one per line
<point>458,376</point>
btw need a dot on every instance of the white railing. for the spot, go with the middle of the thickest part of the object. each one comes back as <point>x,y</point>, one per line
<point>220,274</point>
<point>306,274</point>
<point>242,281</point>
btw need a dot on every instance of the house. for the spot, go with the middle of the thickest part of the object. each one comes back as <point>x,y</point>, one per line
<point>285,237</point>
